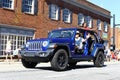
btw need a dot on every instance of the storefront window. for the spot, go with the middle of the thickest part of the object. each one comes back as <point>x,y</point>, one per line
<point>17,41</point>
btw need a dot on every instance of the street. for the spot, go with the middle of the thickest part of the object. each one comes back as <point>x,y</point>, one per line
<point>43,71</point>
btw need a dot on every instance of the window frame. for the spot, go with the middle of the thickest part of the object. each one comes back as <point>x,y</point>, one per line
<point>89,21</point>
<point>106,27</point>
<point>99,24</point>
<point>0,3</point>
<point>68,16</point>
<point>8,3</point>
<point>54,12</point>
<point>81,19</point>
<point>32,8</point>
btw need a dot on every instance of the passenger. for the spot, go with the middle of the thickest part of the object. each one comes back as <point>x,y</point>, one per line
<point>79,40</point>
<point>87,35</point>
<point>85,27</point>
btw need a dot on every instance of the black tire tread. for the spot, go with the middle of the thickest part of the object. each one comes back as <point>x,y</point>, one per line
<point>54,64</point>
<point>96,60</point>
<point>27,64</point>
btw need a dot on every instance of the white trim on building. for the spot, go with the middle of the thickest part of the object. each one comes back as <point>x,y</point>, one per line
<point>8,4</point>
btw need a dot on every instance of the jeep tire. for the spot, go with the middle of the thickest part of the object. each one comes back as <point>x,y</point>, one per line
<point>28,64</point>
<point>99,60</point>
<point>59,61</point>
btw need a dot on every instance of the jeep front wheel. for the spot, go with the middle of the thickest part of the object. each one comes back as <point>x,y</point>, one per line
<point>99,60</point>
<point>28,64</point>
<point>60,60</point>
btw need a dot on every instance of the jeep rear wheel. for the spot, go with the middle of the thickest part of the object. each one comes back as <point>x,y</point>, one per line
<point>28,64</point>
<point>60,60</point>
<point>99,60</point>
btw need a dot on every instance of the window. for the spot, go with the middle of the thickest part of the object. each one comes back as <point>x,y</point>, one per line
<point>54,12</point>
<point>9,4</point>
<point>17,41</point>
<point>80,19</point>
<point>67,16</point>
<point>99,24</point>
<point>29,6</point>
<point>89,21</point>
<point>0,3</point>
<point>105,27</point>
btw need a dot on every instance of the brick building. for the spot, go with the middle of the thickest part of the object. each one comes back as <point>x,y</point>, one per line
<point>21,20</point>
<point>117,38</point>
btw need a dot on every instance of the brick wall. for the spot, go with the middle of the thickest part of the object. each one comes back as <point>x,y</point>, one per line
<point>41,21</point>
<point>117,37</point>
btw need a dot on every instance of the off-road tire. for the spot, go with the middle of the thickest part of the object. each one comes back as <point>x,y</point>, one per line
<point>99,60</point>
<point>27,64</point>
<point>59,61</point>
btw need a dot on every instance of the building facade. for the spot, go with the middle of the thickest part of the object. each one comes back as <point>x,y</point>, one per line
<point>117,38</point>
<point>21,20</point>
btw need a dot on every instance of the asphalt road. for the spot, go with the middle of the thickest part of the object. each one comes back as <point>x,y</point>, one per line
<point>43,71</point>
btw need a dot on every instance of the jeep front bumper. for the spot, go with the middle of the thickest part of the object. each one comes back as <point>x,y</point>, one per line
<point>37,56</point>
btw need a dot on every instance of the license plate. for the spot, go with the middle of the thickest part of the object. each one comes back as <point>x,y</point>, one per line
<point>29,54</point>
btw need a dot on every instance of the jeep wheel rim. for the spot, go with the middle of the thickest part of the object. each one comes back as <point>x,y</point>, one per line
<point>101,60</point>
<point>61,60</point>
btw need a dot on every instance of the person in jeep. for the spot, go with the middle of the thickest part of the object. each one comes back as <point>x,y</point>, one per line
<point>79,40</point>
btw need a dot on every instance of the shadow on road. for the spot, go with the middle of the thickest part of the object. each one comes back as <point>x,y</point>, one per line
<point>70,68</point>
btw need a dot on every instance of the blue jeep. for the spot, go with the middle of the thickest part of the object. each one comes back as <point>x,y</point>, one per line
<point>60,50</point>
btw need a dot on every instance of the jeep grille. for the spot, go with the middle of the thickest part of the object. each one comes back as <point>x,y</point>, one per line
<point>36,45</point>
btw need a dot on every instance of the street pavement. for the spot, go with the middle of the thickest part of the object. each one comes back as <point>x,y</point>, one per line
<point>43,71</point>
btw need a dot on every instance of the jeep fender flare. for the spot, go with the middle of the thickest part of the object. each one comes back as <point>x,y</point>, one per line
<point>96,50</point>
<point>62,46</point>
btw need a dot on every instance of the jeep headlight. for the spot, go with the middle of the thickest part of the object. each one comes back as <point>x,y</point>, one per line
<point>45,43</point>
<point>52,46</point>
<point>27,44</point>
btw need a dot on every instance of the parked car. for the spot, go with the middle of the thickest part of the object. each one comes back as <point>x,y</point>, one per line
<point>59,49</point>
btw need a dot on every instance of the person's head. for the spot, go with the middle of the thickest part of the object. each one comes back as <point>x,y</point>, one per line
<point>77,34</point>
<point>84,24</point>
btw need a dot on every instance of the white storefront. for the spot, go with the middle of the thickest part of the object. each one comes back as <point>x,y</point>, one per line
<point>18,35</point>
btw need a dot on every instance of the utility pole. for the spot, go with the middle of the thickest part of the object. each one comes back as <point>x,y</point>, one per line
<point>114,31</point>
<point>113,46</point>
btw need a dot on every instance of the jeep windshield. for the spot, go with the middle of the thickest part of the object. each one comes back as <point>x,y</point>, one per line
<point>61,34</point>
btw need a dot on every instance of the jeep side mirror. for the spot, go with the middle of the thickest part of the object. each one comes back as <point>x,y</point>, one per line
<point>48,33</point>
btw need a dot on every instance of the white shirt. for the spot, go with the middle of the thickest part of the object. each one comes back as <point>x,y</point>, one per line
<point>79,40</point>
<point>8,46</point>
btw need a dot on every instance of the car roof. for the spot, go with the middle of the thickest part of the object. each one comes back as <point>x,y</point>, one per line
<point>89,30</point>
<point>65,29</point>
